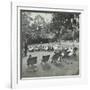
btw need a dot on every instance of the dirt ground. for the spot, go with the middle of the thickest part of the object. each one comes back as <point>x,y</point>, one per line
<point>69,66</point>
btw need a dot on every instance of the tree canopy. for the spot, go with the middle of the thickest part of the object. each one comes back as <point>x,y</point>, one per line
<point>61,25</point>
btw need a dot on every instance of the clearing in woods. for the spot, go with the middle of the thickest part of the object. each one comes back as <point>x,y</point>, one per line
<point>69,66</point>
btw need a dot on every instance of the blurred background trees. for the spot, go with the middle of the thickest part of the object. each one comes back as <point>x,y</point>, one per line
<point>63,26</point>
<point>66,25</point>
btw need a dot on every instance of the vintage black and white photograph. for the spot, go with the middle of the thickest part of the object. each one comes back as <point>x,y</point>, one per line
<point>49,43</point>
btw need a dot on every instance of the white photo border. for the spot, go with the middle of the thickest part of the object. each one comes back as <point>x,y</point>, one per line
<point>15,35</point>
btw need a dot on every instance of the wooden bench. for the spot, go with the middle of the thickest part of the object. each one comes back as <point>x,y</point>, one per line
<point>45,58</point>
<point>31,61</point>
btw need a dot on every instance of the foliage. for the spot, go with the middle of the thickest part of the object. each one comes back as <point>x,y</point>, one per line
<point>64,26</point>
<point>62,22</point>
